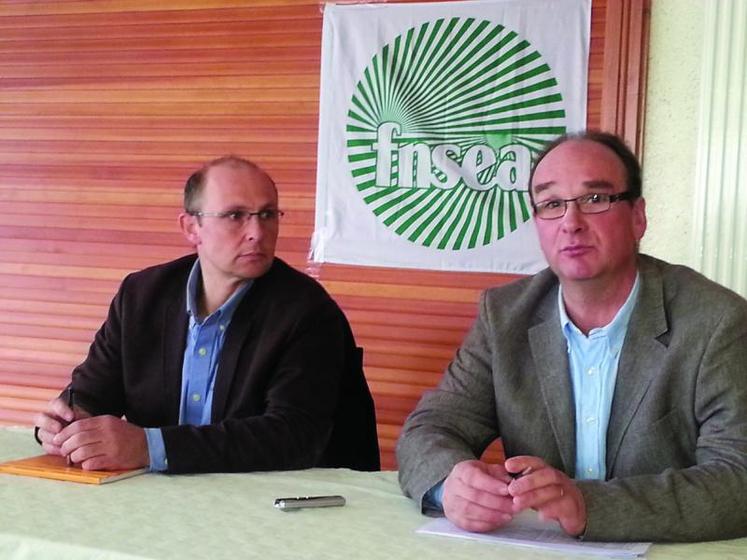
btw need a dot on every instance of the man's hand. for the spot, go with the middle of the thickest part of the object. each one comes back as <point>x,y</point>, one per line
<point>53,420</point>
<point>476,496</point>
<point>548,491</point>
<point>104,443</point>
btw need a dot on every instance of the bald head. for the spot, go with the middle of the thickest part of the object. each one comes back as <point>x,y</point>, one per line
<point>195,185</point>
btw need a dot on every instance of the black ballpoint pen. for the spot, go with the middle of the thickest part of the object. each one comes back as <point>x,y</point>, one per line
<point>70,404</point>
<point>525,472</point>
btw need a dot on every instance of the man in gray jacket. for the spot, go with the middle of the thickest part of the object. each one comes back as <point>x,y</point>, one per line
<point>617,382</point>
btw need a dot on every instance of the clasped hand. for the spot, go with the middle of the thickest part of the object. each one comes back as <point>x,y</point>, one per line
<point>93,442</point>
<point>481,497</point>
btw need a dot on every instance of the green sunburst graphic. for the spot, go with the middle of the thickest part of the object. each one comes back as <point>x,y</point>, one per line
<point>442,127</point>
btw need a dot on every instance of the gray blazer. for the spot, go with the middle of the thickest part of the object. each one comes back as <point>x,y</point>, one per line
<point>677,436</point>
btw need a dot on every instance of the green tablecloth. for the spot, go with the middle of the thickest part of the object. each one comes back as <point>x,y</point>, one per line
<point>232,516</point>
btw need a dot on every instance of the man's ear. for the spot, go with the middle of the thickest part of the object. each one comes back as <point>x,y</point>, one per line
<point>190,228</point>
<point>639,218</point>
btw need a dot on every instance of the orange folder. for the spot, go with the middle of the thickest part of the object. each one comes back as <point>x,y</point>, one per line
<point>56,467</point>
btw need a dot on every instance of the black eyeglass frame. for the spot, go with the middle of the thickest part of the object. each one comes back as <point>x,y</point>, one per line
<point>583,208</point>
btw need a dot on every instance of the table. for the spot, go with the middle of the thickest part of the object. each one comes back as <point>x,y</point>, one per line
<point>216,516</point>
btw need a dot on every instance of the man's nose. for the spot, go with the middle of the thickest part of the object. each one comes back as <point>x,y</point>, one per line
<point>253,227</point>
<point>574,219</point>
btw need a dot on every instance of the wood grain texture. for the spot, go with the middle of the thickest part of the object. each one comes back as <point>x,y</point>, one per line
<point>106,106</point>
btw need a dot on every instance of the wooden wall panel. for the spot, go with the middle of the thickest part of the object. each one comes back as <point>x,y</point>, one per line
<point>106,106</point>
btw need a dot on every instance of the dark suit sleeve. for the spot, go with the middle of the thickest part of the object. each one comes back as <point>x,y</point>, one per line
<point>301,361</point>
<point>98,380</point>
<point>706,501</point>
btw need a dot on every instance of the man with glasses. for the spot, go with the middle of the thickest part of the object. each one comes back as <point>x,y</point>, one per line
<point>227,360</point>
<point>617,382</point>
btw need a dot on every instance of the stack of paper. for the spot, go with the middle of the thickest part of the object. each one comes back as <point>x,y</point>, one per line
<point>528,530</point>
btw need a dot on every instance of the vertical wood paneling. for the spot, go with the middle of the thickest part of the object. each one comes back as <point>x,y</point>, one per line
<point>624,69</point>
<point>106,106</point>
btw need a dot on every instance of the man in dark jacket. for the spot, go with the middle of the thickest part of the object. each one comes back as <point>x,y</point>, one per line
<point>227,360</point>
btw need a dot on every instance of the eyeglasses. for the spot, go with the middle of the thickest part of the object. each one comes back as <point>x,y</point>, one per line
<point>235,219</point>
<point>592,203</point>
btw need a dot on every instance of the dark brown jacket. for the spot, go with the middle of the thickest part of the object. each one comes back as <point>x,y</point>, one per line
<point>289,389</point>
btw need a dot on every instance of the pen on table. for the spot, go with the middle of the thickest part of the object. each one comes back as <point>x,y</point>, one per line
<point>71,405</point>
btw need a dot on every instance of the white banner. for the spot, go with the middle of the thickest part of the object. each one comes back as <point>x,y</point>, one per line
<point>429,117</point>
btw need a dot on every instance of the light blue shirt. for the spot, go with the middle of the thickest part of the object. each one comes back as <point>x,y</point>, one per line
<point>201,357</point>
<point>593,363</point>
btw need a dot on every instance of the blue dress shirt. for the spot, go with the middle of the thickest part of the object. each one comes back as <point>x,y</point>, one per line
<point>593,363</point>
<point>201,357</point>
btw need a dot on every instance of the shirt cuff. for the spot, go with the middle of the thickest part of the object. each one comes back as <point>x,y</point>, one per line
<point>156,450</point>
<point>434,498</point>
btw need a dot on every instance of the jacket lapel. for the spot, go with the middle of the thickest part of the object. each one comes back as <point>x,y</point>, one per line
<point>236,337</point>
<point>641,354</point>
<point>549,351</point>
<point>174,328</point>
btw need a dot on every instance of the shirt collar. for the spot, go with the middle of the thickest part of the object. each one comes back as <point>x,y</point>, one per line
<point>225,311</point>
<point>615,328</point>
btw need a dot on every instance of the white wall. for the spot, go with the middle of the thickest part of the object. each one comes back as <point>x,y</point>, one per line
<point>695,161</point>
<point>671,125</point>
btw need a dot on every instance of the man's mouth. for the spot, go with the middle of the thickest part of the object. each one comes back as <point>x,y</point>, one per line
<point>252,255</point>
<point>575,250</point>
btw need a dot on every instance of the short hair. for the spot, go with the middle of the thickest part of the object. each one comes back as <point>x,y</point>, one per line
<point>611,141</point>
<point>196,182</point>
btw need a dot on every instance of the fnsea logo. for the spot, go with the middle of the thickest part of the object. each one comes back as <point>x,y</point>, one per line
<point>442,127</point>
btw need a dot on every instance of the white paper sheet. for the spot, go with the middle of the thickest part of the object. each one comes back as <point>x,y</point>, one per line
<point>528,530</point>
